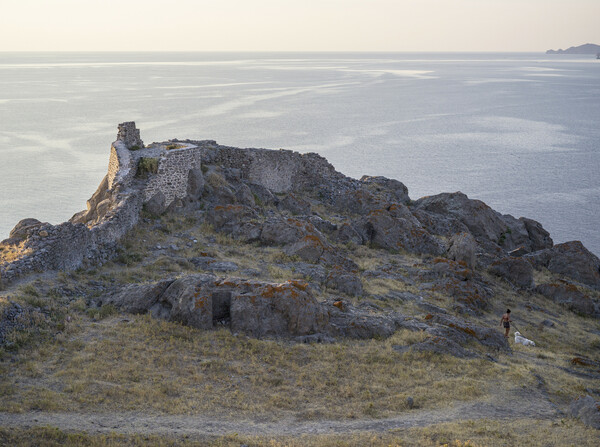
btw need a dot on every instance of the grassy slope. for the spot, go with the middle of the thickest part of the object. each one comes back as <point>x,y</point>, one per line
<point>94,360</point>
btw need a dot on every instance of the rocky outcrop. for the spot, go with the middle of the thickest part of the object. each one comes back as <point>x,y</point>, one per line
<point>483,222</point>
<point>252,307</point>
<point>569,296</point>
<point>462,249</point>
<point>517,271</point>
<point>570,259</point>
<point>395,228</point>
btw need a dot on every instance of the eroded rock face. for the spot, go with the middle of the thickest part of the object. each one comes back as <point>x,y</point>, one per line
<point>571,259</point>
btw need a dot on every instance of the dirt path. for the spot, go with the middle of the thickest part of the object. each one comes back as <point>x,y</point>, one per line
<point>511,405</point>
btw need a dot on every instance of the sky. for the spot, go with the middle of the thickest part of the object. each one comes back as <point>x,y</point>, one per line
<point>297,25</point>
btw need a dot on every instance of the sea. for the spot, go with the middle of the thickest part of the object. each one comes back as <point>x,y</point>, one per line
<point>520,131</point>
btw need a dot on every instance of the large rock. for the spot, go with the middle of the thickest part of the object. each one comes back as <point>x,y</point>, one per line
<point>440,224</point>
<point>238,220</point>
<point>22,228</point>
<point>157,204</point>
<point>392,190</point>
<point>344,282</point>
<point>277,231</point>
<point>359,201</point>
<point>540,238</point>
<point>138,298</point>
<point>571,297</point>
<point>196,182</point>
<point>383,229</point>
<point>489,337</point>
<point>252,307</point>
<point>482,221</point>
<point>463,248</point>
<point>587,410</point>
<point>571,259</point>
<point>468,288</point>
<point>517,271</point>
<point>294,204</point>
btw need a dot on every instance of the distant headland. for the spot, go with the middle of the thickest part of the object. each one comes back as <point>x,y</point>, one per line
<point>588,48</point>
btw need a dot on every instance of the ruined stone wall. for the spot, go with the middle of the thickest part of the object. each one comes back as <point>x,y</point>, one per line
<point>281,171</point>
<point>172,176</point>
<point>121,165</point>
<point>84,241</point>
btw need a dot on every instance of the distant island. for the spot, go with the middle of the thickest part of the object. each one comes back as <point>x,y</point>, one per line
<point>588,48</point>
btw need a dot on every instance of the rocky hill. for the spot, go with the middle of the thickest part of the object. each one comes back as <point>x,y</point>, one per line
<point>279,247</point>
<point>588,48</point>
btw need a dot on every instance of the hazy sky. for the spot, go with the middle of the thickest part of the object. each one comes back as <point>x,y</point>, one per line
<point>297,25</point>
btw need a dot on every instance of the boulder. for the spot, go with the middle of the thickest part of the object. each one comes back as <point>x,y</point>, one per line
<point>294,204</point>
<point>392,190</point>
<point>350,323</point>
<point>463,248</point>
<point>344,282</point>
<point>157,204</point>
<point>384,230</point>
<point>260,309</point>
<point>517,271</point>
<point>324,226</point>
<point>469,290</point>
<point>482,221</point>
<point>440,224</point>
<point>571,259</point>
<point>138,298</point>
<point>277,231</point>
<point>462,330</point>
<point>569,296</point>
<point>540,238</point>
<point>244,196</point>
<point>346,234</point>
<point>309,248</point>
<point>255,308</point>
<point>586,409</point>
<point>262,195</point>
<point>359,201</point>
<point>237,220</point>
<point>22,228</point>
<point>195,186</point>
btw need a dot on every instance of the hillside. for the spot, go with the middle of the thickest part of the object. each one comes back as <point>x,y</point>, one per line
<point>211,295</point>
<point>588,48</point>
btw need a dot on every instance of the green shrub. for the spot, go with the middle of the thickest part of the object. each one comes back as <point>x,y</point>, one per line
<point>147,165</point>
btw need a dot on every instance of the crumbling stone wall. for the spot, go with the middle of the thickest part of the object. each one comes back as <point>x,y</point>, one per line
<point>129,135</point>
<point>91,236</point>
<point>172,176</point>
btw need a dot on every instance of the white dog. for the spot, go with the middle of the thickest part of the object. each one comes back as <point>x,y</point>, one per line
<point>524,341</point>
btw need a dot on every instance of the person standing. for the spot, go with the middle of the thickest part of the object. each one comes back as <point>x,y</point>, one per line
<point>505,322</point>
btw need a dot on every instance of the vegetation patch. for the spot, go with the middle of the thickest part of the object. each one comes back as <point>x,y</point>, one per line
<point>146,166</point>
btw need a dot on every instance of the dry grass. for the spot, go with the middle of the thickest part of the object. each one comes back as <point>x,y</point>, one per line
<point>11,253</point>
<point>469,433</point>
<point>168,368</point>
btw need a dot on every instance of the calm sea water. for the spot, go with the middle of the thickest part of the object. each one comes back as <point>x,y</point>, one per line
<point>518,131</point>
